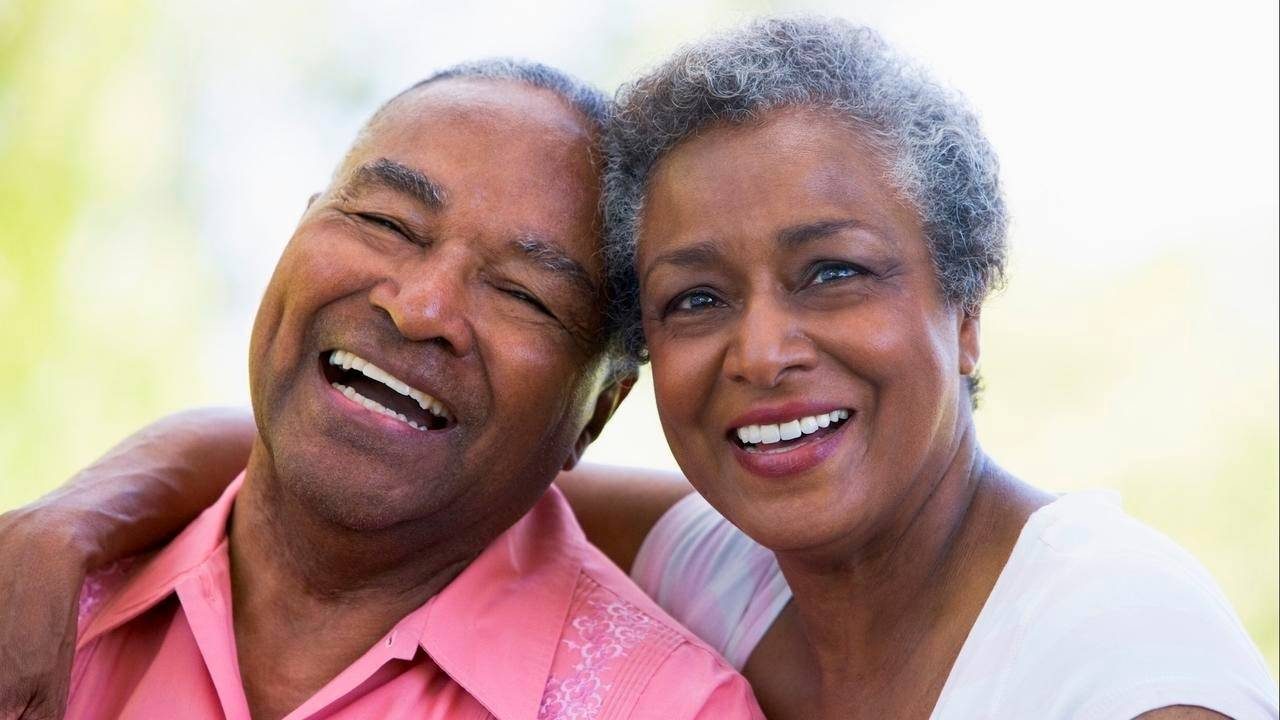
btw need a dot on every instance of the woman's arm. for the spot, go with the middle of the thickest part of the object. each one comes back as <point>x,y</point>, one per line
<point>617,506</point>
<point>136,496</point>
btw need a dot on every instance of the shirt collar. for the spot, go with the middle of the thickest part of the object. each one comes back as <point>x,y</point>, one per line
<point>494,629</point>
<point>156,578</point>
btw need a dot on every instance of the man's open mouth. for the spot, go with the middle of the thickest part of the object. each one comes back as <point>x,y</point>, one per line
<point>781,437</point>
<point>378,390</point>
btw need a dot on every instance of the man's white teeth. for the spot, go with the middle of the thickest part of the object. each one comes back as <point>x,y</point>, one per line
<point>769,434</point>
<point>375,406</point>
<point>350,361</point>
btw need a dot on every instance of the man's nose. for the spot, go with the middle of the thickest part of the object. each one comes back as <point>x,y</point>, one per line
<point>770,343</point>
<point>428,301</point>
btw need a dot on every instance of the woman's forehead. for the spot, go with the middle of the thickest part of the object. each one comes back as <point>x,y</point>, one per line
<point>794,166</point>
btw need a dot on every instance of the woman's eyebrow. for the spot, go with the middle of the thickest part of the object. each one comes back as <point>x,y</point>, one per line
<point>706,253</point>
<point>709,253</point>
<point>797,235</point>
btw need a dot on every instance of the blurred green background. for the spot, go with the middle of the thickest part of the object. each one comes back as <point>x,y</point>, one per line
<point>154,157</point>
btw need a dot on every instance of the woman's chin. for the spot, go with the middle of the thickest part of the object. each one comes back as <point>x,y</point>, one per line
<point>804,516</point>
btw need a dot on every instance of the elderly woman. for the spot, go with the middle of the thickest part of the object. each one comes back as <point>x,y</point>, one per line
<point>804,228</point>
<point>813,226</point>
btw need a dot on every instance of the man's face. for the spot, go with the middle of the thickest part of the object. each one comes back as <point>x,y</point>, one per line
<point>457,252</point>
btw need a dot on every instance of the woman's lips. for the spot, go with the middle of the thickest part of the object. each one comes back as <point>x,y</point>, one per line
<point>776,460</point>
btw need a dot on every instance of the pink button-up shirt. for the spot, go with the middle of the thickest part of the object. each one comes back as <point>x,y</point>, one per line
<point>540,625</point>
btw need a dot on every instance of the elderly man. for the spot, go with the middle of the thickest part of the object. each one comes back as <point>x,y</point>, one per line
<point>428,354</point>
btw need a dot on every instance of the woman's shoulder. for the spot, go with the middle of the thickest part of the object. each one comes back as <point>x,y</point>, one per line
<point>1084,549</point>
<point>711,577</point>
<point>1097,615</point>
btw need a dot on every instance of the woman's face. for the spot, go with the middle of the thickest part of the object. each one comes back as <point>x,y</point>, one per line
<point>789,296</point>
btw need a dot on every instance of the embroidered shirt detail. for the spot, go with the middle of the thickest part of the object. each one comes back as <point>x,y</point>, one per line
<point>100,585</point>
<point>604,634</point>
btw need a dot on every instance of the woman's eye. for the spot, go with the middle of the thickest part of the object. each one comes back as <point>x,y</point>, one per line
<point>693,302</point>
<point>831,272</point>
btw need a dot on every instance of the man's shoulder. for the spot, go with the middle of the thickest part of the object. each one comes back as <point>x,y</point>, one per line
<point>621,655</point>
<point>125,589</point>
<point>100,586</point>
<point>605,590</point>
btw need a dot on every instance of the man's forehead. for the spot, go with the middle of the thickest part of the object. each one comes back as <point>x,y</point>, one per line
<point>517,153</point>
<point>510,104</point>
<point>505,130</point>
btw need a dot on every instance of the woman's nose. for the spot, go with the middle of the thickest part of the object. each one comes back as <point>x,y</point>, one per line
<point>769,343</point>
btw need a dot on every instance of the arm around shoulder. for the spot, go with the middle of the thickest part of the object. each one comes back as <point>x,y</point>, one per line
<point>618,506</point>
<point>151,484</point>
<point>138,494</point>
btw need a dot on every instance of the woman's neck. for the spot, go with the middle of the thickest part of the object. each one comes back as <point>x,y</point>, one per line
<point>882,621</point>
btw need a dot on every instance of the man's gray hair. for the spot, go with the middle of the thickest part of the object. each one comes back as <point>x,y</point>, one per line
<point>939,159</point>
<point>584,97</point>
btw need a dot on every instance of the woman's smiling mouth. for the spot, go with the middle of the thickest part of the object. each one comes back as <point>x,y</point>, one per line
<point>778,449</point>
<point>757,438</point>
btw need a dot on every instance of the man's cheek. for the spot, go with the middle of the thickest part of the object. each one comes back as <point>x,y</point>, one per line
<point>536,379</point>
<point>265,329</point>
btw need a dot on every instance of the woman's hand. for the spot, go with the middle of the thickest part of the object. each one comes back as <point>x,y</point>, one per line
<point>42,568</point>
<point>139,494</point>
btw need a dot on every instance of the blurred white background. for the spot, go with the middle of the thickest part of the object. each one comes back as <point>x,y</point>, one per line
<point>154,158</point>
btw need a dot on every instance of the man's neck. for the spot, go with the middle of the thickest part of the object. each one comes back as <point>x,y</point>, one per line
<point>310,596</point>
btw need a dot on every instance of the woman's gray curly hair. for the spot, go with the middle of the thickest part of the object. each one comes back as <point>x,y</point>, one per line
<point>940,161</point>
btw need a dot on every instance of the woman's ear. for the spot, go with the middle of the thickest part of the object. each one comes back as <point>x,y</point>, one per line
<point>970,342</point>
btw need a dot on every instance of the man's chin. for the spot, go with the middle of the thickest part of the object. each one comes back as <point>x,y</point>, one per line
<point>356,509</point>
<point>362,486</point>
<point>364,500</point>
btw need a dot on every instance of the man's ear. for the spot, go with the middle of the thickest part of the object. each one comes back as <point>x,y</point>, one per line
<point>606,402</point>
<point>970,342</point>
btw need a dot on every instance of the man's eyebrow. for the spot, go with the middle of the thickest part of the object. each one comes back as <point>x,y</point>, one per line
<point>797,235</point>
<point>702,254</point>
<point>552,259</point>
<point>403,179</point>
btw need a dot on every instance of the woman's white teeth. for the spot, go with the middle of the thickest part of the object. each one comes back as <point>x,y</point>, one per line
<point>789,430</point>
<point>769,434</point>
<point>350,361</point>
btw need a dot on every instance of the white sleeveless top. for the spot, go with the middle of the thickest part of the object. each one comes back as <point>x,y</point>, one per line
<point>1095,615</point>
